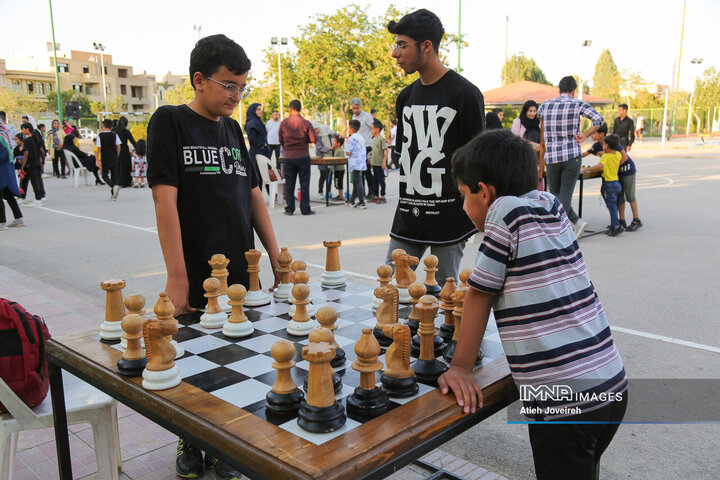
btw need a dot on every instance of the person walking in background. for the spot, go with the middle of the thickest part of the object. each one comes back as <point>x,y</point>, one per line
<point>55,144</point>
<point>624,127</point>
<point>355,150</point>
<point>295,134</point>
<point>8,183</point>
<point>378,162</point>
<point>256,132</point>
<point>124,161</point>
<point>272,127</point>
<point>561,116</point>
<point>393,162</point>
<point>366,120</point>
<point>109,144</point>
<point>639,127</point>
<point>32,164</point>
<point>323,144</point>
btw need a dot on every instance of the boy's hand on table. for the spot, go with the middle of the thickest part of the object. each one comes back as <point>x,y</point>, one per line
<point>462,382</point>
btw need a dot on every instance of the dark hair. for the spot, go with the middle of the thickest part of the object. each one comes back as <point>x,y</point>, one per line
<point>603,129</point>
<point>612,141</point>
<point>526,106</point>
<point>567,84</point>
<point>26,116</point>
<point>215,51</point>
<point>140,147</point>
<point>372,110</point>
<point>497,110</point>
<point>419,25</point>
<point>492,121</point>
<point>498,158</point>
<point>27,125</point>
<point>20,137</point>
<point>122,123</point>
<point>295,105</point>
<point>107,123</point>
<point>3,115</point>
<point>378,124</point>
<point>354,124</point>
<point>623,105</point>
<point>394,121</point>
<point>40,125</point>
<point>69,140</point>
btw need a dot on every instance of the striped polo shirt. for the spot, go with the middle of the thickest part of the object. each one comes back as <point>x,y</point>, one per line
<point>550,320</point>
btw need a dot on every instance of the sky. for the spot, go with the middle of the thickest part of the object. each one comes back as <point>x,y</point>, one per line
<point>642,35</point>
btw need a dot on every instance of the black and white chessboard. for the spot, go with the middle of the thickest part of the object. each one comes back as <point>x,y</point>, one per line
<point>239,370</point>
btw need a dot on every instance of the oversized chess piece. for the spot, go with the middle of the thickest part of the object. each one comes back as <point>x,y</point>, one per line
<point>427,367</point>
<point>326,317</point>
<point>320,412</point>
<point>458,300</point>
<point>438,344</point>
<point>333,276</point>
<point>447,306</point>
<point>387,313</point>
<point>255,297</point>
<point>164,310</point>
<point>285,398</point>
<point>133,360</point>
<point>283,289</point>
<point>431,284</point>
<point>404,273</point>
<point>384,277</point>
<point>133,304</point>
<point>300,275</point>
<point>464,276</point>
<point>160,372</point>
<point>398,378</point>
<point>301,323</point>
<point>367,401</point>
<point>237,325</point>
<point>219,263</point>
<point>322,334</point>
<point>111,330</point>
<point>213,317</point>
<point>416,290</point>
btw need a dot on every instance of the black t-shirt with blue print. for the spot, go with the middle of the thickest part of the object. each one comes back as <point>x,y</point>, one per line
<point>209,164</point>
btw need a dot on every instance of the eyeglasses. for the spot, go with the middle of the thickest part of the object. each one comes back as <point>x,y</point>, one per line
<point>401,46</point>
<point>231,89</point>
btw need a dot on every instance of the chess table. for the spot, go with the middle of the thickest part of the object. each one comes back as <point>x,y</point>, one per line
<point>330,162</point>
<point>219,406</point>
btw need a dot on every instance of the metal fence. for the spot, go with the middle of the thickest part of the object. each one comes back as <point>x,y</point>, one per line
<point>703,120</point>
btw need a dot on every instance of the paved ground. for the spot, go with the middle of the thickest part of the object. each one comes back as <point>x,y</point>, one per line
<point>659,281</point>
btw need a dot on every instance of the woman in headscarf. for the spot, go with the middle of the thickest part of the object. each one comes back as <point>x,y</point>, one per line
<point>527,126</point>
<point>256,132</point>
<point>124,165</point>
<point>8,183</point>
<point>492,121</point>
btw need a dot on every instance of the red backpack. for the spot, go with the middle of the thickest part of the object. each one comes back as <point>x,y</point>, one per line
<point>23,365</point>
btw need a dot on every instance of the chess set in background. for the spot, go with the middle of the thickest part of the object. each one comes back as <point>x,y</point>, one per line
<point>256,357</point>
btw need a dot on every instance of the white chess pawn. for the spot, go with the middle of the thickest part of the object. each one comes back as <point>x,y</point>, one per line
<point>213,317</point>
<point>237,325</point>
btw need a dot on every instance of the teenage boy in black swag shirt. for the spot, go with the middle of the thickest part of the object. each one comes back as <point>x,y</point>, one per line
<point>205,189</point>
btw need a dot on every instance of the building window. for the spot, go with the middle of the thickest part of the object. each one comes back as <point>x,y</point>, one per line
<point>137,92</point>
<point>39,88</point>
<point>63,68</point>
<point>122,72</point>
<point>123,89</point>
<point>88,89</point>
<point>138,107</point>
<point>30,87</point>
<point>107,89</point>
<point>77,87</point>
<point>105,70</point>
<point>48,88</point>
<point>86,68</point>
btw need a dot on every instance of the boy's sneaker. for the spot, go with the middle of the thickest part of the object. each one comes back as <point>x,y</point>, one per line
<point>3,226</point>
<point>362,206</point>
<point>615,231</point>
<point>634,225</point>
<point>222,470</point>
<point>579,228</point>
<point>189,462</point>
<point>18,222</point>
<point>114,192</point>
<point>381,200</point>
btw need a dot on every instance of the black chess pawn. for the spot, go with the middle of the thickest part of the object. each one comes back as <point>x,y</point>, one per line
<point>285,398</point>
<point>133,361</point>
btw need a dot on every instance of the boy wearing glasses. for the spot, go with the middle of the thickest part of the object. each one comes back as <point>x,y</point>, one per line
<point>206,193</point>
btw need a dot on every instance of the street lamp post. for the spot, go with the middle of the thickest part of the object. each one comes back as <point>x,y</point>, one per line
<point>101,48</point>
<point>696,62</point>
<point>586,43</point>
<point>283,41</point>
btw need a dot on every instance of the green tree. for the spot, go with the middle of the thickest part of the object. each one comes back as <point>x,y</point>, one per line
<point>519,67</point>
<point>70,96</point>
<point>607,79</point>
<point>707,89</point>
<point>180,93</point>
<point>16,104</point>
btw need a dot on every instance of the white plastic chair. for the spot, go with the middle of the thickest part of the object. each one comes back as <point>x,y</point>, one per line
<point>265,165</point>
<point>76,167</point>
<point>83,403</point>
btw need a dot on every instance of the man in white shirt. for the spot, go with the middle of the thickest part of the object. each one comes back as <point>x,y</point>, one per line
<point>366,121</point>
<point>273,127</point>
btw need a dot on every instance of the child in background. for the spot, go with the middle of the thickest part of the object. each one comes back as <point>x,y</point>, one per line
<point>357,159</point>
<point>378,161</point>
<point>626,174</point>
<point>609,165</point>
<point>139,165</point>
<point>531,273</point>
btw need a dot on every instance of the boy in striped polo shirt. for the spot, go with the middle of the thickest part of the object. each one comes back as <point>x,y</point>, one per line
<point>553,328</point>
